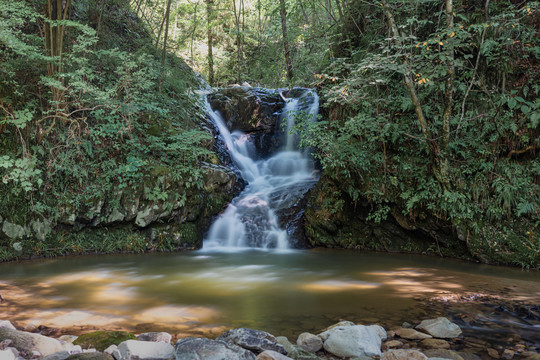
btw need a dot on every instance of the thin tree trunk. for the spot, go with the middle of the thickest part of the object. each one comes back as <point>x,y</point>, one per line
<point>210,16</point>
<point>102,8</point>
<point>161,26</point>
<point>285,41</point>
<point>237,15</point>
<point>164,51</point>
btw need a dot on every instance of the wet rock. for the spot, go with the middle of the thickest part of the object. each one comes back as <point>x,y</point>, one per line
<point>271,355</point>
<point>352,341</point>
<point>392,344</point>
<point>294,351</point>
<point>468,356</point>
<point>435,344</point>
<point>7,325</point>
<point>493,353</point>
<point>403,355</point>
<point>507,354</point>
<point>25,341</point>
<point>310,342</point>
<point>254,340</point>
<point>141,350</point>
<point>440,328</point>
<point>61,355</point>
<point>155,337</point>
<point>443,353</point>
<point>411,334</point>
<point>201,348</point>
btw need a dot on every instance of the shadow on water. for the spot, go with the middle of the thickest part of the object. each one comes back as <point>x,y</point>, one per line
<point>285,293</point>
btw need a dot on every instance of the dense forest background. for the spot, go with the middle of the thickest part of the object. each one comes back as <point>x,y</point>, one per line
<point>430,111</point>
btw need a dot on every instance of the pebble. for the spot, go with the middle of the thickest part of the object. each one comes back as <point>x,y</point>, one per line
<point>493,353</point>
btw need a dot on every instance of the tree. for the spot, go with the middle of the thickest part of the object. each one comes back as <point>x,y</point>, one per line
<point>288,64</point>
<point>210,18</point>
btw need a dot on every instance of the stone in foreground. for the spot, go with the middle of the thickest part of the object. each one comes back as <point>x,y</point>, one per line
<point>24,341</point>
<point>411,334</point>
<point>155,337</point>
<point>201,348</point>
<point>440,328</point>
<point>272,355</point>
<point>352,341</point>
<point>254,340</point>
<point>294,351</point>
<point>310,342</point>
<point>403,354</point>
<point>141,350</point>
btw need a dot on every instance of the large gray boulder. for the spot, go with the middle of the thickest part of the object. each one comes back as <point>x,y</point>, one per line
<point>141,350</point>
<point>352,341</point>
<point>25,341</point>
<point>440,328</point>
<point>254,340</point>
<point>201,348</point>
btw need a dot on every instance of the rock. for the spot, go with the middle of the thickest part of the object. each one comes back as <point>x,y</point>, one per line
<point>380,331</point>
<point>352,341</point>
<point>402,354</point>
<point>5,344</point>
<point>310,342</point>
<point>342,323</point>
<point>294,351</point>
<point>40,228</point>
<point>13,231</point>
<point>100,340</point>
<point>440,328</point>
<point>91,356</point>
<point>411,334</point>
<point>435,344</point>
<point>111,349</point>
<point>533,357</point>
<point>201,348</point>
<point>493,353</point>
<point>443,353</point>
<point>155,337</point>
<point>7,354</point>
<point>24,341</point>
<point>61,355</point>
<point>272,355</point>
<point>140,350</point>
<point>469,356</point>
<point>507,354</point>
<point>6,325</point>
<point>68,338</point>
<point>393,344</point>
<point>254,340</point>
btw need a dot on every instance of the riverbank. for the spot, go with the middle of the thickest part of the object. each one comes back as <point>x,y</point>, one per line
<point>437,338</point>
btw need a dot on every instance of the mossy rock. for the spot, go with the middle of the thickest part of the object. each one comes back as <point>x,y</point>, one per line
<point>100,340</point>
<point>90,356</point>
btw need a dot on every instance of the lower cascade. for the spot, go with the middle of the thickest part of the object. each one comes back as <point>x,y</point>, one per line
<point>273,183</point>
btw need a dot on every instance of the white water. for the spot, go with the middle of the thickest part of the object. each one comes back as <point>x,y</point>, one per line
<point>250,220</point>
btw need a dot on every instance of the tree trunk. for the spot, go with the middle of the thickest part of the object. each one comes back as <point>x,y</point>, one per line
<point>210,16</point>
<point>240,59</point>
<point>288,63</point>
<point>164,51</point>
<point>102,8</point>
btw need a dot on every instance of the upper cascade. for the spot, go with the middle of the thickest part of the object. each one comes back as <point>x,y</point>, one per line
<point>273,183</point>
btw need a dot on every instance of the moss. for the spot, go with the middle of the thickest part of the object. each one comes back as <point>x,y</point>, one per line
<point>100,340</point>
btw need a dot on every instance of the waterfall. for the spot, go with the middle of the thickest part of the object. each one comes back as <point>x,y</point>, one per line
<point>250,221</point>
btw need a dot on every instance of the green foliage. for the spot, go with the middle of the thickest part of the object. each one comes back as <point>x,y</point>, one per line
<point>372,145</point>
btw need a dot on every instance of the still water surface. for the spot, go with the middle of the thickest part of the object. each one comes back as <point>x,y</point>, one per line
<point>206,293</point>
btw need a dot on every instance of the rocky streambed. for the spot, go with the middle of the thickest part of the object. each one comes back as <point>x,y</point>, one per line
<point>436,338</point>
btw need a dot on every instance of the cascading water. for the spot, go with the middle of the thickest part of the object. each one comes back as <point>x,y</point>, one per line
<point>250,221</point>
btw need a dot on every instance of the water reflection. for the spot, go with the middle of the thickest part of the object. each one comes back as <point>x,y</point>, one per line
<point>204,294</point>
